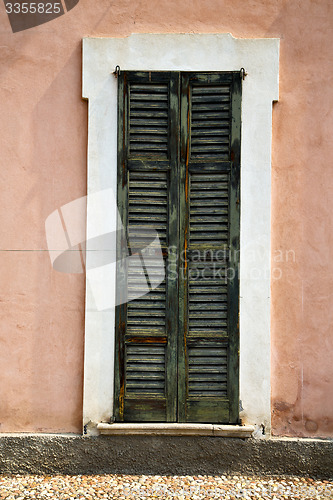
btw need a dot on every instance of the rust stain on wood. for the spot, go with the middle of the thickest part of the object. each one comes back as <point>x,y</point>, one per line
<point>147,340</point>
<point>187,146</point>
<point>185,248</point>
<point>121,401</point>
<point>124,133</point>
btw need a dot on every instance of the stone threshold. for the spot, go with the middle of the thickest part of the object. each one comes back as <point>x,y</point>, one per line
<point>175,429</point>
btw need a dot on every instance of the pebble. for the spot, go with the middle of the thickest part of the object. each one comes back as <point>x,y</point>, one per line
<point>126,487</point>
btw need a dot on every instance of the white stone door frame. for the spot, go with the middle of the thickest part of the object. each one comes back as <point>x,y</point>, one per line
<point>182,52</point>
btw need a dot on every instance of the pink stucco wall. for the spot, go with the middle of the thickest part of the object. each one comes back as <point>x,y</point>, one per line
<point>43,166</point>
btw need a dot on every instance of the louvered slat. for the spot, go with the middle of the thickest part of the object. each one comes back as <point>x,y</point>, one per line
<point>147,208</point>
<point>207,285</point>
<point>146,273</point>
<point>210,121</point>
<point>209,224</point>
<point>208,345</point>
<point>178,177</point>
<point>207,370</point>
<point>145,370</point>
<point>148,119</point>
<point>146,330</point>
<point>207,300</point>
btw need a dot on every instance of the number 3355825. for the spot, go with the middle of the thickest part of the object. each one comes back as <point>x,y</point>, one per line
<point>33,8</point>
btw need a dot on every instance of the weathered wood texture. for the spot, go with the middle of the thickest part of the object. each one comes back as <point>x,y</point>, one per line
<point>178,175</point>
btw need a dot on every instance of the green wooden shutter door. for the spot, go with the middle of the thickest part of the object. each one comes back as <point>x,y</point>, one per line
<point>146,362</point>
<point>178,174</point>
<point>208,350</point>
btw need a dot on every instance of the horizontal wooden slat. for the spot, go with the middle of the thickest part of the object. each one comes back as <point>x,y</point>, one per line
<point>209,197</point>
<point>207,279</point>
<point>198,316</point>
<point>207,370</point>
<point>197,298</point>
<point>210,89</point>
<point>147,331</point>
<point>145,339</point>
<point>153,88</point>
<point>155,369</point>
<point>139,208</point>
<point>147,216</point>
<point>202,204</point>
<point>138,218</point>
<point>142,287</point>
<point>136,200</point>
<point>137,107</point>
<point>161,124</point>
<point>200,289</point>
<point>211,97</point>
<point>141,322</point>
<point>145,130</point>
<point>141,313</point>
<point>147,147</point>
<point>148,196</point>
<point>207,274</point>
<point>148,190</point>
<point>152,176</point>
<point>202,182</point>
<point>207,115</point>
<point>210,121</point>
<point>196,371</point>
<point>136,275</point>
<point>148,120</point>
<point>212,150</point>
<point>139,350</point>
<point>156,296</point>
<point>195,307</point>
<point>149,97</point>
<point>145,369</point>
<point>154,114</point>
<point>221,209</point>
<point>207,132</point>
<point>206,219</point>
<point>203,226</point>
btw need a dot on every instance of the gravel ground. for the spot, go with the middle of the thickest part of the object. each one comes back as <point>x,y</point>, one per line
<point>22,487</point>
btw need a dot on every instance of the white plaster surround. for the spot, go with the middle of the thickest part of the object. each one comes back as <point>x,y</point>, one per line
<point>183,52</point>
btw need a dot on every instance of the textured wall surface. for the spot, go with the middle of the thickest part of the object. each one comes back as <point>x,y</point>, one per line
<point>43,166</point>
<point>164,455</point>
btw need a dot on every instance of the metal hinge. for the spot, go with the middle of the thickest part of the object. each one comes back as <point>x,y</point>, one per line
<point>116,72</point>
<point>243,73</point>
